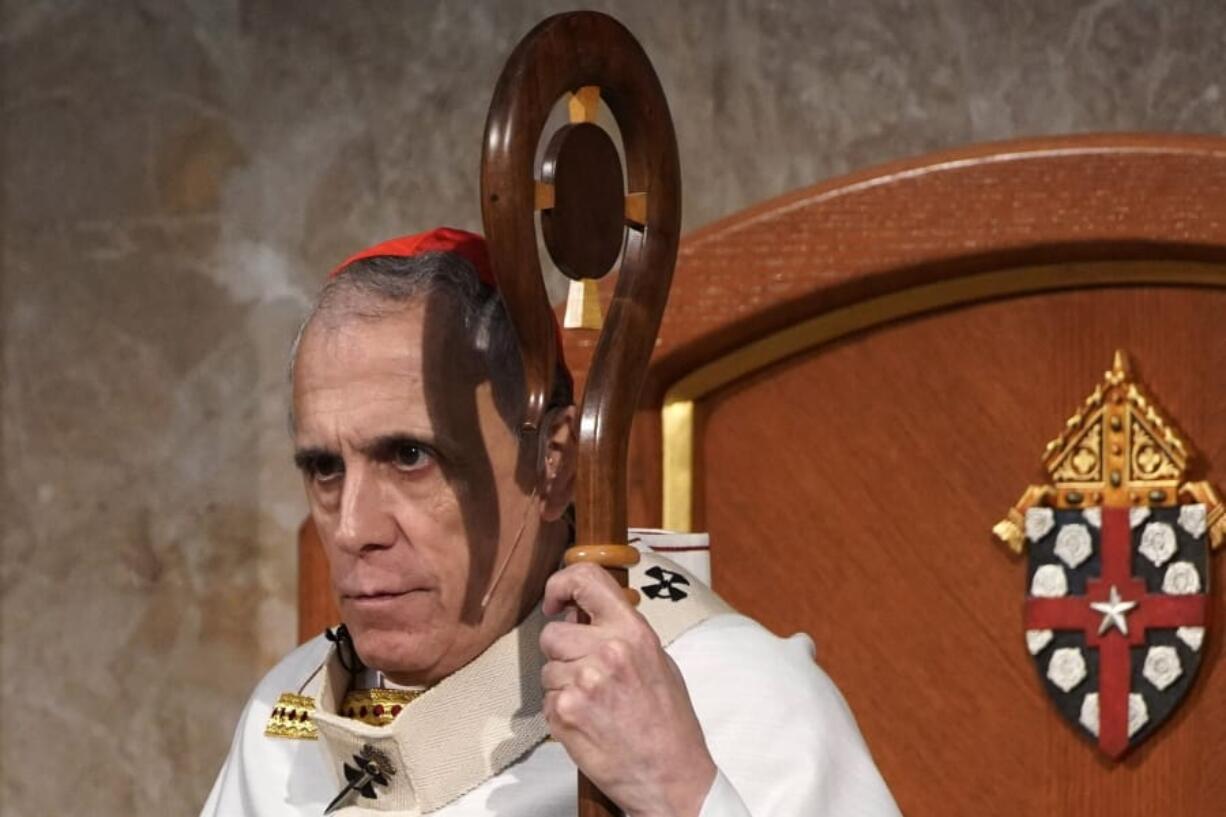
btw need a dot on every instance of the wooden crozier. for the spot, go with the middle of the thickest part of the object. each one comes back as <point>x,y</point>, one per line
<point>589,214</point>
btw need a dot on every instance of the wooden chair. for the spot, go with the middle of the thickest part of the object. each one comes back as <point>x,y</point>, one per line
<point>855,381</point>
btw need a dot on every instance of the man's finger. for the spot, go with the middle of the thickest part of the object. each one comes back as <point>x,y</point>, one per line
<point>591,589</point>
<point>566,641</point>
<point>557,675</point>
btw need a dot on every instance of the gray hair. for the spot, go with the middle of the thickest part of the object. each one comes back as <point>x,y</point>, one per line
<point>383,282</point>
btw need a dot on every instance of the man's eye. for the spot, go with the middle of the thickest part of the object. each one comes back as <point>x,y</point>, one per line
<point>326,469</point>
<point>410,457</point>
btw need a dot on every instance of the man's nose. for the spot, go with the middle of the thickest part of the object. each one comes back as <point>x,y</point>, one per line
<point>365,521</point>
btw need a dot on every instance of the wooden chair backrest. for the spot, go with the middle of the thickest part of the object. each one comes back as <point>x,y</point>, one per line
<point>854,382</point>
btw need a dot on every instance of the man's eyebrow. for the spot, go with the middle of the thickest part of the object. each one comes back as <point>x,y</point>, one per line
<point>309,455</point>
<point>384,445</point>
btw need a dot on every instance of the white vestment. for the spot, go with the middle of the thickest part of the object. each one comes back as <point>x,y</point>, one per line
<point>784,741</point>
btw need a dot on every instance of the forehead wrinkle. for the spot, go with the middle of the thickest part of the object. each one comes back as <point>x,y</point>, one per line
<point>377,399</point>
<point>401,326</point>
<point>338,354</point>
<point>345,383</point>
<point>368,376</point>
<point>347,310</point>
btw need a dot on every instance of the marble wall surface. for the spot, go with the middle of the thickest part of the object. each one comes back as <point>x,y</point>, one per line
<point>179,175</point>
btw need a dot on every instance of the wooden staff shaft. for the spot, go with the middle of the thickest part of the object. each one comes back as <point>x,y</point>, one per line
<point>583,51</point>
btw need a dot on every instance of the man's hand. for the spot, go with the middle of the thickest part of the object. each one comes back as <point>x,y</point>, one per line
<point>617,702</point>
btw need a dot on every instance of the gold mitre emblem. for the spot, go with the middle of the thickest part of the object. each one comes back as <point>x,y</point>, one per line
<point>1117,450</point>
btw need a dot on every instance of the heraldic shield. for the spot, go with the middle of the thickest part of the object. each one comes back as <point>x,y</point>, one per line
<point>1117,579</point>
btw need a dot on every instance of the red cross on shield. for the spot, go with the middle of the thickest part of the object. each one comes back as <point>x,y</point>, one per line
<point>1115,614</point>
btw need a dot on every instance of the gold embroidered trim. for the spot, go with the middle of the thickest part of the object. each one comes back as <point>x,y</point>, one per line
<point>291,718</point>
<point>377,707</point>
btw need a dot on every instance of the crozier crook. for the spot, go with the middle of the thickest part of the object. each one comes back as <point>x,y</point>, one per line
<point>589,214</point>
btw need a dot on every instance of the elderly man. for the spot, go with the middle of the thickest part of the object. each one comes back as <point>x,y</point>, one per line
<point>460,682</point>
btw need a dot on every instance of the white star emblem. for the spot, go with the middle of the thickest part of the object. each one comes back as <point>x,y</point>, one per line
<point>1113,610</point>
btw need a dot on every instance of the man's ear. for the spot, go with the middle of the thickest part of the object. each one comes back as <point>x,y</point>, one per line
<point>559,453</point>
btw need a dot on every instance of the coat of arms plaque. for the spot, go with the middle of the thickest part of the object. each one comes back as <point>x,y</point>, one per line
<point>1117,579</point>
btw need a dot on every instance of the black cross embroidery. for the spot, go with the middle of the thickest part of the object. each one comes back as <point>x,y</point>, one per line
<point>364,778</point>
<point>667,587</point>
<point>373,767</point>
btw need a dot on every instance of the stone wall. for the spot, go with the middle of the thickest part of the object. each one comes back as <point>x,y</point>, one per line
<point>179,175</point>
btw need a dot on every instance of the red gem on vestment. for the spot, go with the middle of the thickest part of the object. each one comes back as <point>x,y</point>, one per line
<point>362,712</point>
<point>396,710</point>
<point>378,710</point>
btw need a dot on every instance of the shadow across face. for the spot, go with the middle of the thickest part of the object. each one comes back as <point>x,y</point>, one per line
<point>420,490</point>
<point>495,477</point>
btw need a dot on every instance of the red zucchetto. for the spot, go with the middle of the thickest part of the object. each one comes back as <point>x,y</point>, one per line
<point>469,246</point>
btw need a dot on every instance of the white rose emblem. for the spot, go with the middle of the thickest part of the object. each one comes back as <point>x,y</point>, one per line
<point>1049,582</point>
<point>1192,636</point>
<point>1038,522</point>
<point>1158,543</point>
<point>1162,667</point>
<point>1181,579</point>
<point>1192,519</point>
<point>1073,544</point>
<point>1138,713</point>
<point>1089,713</point>
<point>1036,640</point>
<point>1067,668</point>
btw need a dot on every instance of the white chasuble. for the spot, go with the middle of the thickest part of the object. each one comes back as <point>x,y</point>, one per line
<point>477,745</point>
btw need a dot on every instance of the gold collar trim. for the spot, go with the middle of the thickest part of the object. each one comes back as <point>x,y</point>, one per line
<point>292,717</point>
<point>377,707</point>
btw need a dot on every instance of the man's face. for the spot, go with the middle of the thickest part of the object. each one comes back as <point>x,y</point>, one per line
<point>416,485</point>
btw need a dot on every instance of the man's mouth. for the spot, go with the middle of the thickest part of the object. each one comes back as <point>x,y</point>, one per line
<point>378,597</point>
